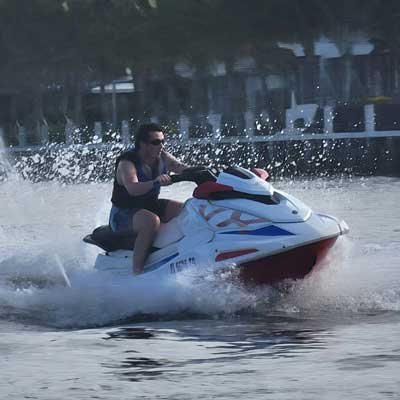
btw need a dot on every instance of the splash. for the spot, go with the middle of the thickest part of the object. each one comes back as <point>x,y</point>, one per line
<point>349,282</point>
<point>6,170</point>
<point>94,162</point>
<point>43,221</point>
<point>94,300</point>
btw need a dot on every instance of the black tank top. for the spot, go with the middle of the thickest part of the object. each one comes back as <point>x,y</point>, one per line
<point>121,197</point>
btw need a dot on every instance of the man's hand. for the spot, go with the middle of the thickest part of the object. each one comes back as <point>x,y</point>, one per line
<point>164,180</point>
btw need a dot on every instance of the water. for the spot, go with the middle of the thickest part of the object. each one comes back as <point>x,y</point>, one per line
<point>333,335</point>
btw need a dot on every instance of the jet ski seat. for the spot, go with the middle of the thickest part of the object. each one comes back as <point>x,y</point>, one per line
<point>109,240</point>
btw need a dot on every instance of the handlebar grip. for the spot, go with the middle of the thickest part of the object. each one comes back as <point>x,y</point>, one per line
<point>194,174</point>
<point>177,178</point>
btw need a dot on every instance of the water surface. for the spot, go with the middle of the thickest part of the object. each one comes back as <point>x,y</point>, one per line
<point>333,335</point>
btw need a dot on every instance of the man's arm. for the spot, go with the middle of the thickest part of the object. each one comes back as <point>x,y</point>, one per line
<point>173,164</point>
<point>127,176</point>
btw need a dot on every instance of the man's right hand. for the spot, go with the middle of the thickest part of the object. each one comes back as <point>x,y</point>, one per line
<point>164,180</point>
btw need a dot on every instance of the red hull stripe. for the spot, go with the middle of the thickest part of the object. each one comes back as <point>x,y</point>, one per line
<point>292,264</point>
<point>233,254</point>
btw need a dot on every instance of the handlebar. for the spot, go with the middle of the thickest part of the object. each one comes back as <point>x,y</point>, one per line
<point>177,178</point>
<point>197,174</point>
<point>201,174</point>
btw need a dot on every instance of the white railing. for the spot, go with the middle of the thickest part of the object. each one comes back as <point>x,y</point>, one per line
<point>290,133</point>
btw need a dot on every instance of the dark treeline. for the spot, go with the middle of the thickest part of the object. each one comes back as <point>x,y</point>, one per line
<point>53,51</point>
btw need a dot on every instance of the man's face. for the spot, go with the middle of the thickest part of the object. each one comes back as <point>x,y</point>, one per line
<point>154,144</point>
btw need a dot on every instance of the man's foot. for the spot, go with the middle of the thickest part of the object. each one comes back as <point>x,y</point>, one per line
<point>137,271</point>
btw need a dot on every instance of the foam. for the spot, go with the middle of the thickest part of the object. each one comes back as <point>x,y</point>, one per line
<point>41,223</point>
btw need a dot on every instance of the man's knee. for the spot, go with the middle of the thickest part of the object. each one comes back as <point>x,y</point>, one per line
<point>145,219</point>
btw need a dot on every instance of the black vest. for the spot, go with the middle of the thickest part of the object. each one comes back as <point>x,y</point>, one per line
<point>120,196</point>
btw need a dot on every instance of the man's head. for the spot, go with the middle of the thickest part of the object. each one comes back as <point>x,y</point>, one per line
<point>150,139</point>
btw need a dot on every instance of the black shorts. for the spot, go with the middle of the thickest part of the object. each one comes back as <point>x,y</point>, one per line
<point>121,219</point>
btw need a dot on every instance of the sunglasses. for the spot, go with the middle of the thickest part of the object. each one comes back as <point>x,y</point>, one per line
<point>156,142</point>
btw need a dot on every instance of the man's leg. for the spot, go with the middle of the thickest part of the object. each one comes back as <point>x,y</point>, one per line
<point>145,225</point>
<point>172,209</point>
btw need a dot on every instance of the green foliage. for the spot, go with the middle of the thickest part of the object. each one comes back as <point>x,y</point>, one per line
<point>47,40</point>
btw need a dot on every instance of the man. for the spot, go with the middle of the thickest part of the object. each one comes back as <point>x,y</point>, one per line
<point>139,173</point>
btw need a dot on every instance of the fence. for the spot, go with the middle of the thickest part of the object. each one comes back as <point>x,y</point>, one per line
<point>303,122</point>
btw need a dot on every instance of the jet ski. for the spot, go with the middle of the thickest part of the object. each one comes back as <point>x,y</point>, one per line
<point>235,219</point>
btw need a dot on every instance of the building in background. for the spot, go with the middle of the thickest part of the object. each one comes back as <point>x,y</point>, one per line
<point>291,92</point>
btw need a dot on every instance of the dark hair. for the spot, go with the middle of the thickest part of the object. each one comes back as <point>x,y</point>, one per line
<point>142,134</point>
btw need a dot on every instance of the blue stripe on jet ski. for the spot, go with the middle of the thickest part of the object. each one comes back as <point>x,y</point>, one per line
<point>158,264</point>
<point>270,230</point>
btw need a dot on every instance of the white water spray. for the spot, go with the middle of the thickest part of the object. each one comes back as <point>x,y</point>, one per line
<point>46,271</point>
<point>6,169</point>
